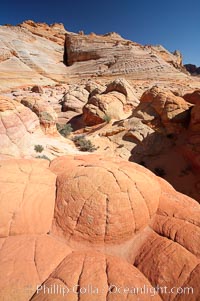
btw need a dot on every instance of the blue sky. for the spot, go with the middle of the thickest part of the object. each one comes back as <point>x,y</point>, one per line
<point>173,24</point>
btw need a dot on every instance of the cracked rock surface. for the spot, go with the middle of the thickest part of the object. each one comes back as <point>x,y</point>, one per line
<point>96,227</point>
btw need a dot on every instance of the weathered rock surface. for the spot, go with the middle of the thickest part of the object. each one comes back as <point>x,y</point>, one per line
<point>95,87</point>
<point>44,111</point>
<point>102,273</point>
<point>177,224</point>
<point>25,263</point>
<point>27,197</point>
<point>116,102</point>
<point>37,54</point>
<point>74,99</point>
<point>193,97</point>
<point>167,255</point>
<point>110,54</point>
<point>100,107</point>
<point>195,119</point>
<point>122,86</point>
<point>175,58</point>
<point>150,233</point>
<point>191,149</point>
<point>94,195</point>
<point>54,32</point>
<point>158,105</point>
<point>30,58</point>
<point>20,130</point>
<point>37,89</point>
<point>17,124</point>
<point>91,220</point>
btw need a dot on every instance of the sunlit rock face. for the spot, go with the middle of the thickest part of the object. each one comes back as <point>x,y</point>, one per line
<point>88,226</point>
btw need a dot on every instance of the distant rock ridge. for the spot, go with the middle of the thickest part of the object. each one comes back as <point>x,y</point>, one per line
<point>38,53</point>
<point>192,69</point>
<point>110,54</point>
<point>54,32</point>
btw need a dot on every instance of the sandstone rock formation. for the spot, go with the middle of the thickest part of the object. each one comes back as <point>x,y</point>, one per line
<point>175,58</point>
<point>91,227</point>
<point>29,195</point>
<point>74,99</point>
<point>192,69</point>
<point>93,197</point>
<point>36,53</point>
<point>24,260</point>
<point>37,89</point>
<point>193,97</point>
<point>95,87</point>
<point>20,131</point>
<point>44,111</point>
<point>29,58</point>
<point>158,105</point>
<point>17,124</point>
<point>54,32</point>
<point>122,86</point>
<point>151,238</point>
<point>111,54</point>
<point>192,148</point>
<point>101,272</point>
<point>176,222</point>
<point>116,102</point>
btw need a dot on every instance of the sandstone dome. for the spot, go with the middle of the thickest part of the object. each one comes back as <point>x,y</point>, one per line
<point>163,251</point>
<point>102,201</point>
<point>95,276</point>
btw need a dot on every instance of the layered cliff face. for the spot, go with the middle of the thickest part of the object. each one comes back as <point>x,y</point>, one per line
<point>30,54</point>
<point>54,32</point>
<point>111,54</point>
<point>37,53</point>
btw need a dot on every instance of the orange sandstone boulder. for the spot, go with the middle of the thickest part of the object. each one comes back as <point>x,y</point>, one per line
<point>17,124</point>
<point>160,106</point>
<point>167,264</point>
<point>170,256</point>
<point>74,99</point>
<point>102,201</point>
<point>116,102</point>
<point>44,111</point>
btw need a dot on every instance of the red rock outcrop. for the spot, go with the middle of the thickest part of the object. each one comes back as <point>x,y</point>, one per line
<point>54,32</point>
<point>193,97</point>
<point>162,106</point>
<point>175,244</point>
<point>34,53</point>
<point>175,58</point>
<point>191,149</point>
<point>20,130</point>
<point>31,54</point>
<point>116,102</point>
